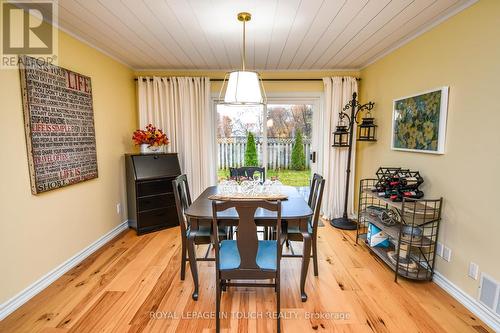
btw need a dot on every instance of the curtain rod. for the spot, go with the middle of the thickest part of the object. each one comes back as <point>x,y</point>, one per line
<point>277,80</point>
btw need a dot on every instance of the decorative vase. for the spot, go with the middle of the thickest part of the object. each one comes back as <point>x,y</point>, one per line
<point>146,149</point>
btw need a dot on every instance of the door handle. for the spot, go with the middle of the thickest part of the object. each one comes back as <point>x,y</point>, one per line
<point>312,156</point>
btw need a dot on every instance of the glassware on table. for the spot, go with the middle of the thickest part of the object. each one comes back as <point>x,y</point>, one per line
<point>247,187</point>
<point>257,190</point>
<point>276,187</point>
<point>256,177</point>
<point>228,187</point>
<point>222,186</point>
<point>266,187</point>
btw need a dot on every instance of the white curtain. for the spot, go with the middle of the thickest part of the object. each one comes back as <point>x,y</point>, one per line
<point>180,106</point>
<point>338,92</point>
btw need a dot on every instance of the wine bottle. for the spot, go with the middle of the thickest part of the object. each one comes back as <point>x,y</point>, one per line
<point>388,194</point>
<point>417,194</point>
<point>396,197</point>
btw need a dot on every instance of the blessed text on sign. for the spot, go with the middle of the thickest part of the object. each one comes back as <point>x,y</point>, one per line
<point>59,124</point>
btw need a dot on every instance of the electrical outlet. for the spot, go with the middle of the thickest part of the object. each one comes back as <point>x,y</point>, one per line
<point>446,253</point>
<point>439,249</point>
<point>118,208</point>
<point>473,270</point>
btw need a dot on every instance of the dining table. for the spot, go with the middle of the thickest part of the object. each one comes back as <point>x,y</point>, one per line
<point>294,210</point>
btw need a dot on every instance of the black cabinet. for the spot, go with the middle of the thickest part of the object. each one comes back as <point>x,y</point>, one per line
<point>151,202</point>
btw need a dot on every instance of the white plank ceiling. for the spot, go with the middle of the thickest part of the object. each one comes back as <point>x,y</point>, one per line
<point>282,35</point>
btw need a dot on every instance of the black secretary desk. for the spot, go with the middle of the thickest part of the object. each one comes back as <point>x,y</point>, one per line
<point>150,197</point>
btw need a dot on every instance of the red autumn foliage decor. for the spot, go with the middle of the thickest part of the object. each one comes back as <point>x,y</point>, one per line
<point>151,136</point>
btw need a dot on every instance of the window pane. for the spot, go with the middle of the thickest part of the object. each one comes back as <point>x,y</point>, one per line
<point>235,125</point>
<point>288,124</point>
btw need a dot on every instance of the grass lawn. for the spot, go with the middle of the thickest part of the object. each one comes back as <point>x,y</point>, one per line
<point>287,177</point>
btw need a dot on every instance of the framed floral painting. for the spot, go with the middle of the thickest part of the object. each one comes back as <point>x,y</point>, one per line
<point>419,122</point>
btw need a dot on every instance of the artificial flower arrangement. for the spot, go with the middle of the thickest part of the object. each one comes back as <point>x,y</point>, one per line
<point>151,136</point>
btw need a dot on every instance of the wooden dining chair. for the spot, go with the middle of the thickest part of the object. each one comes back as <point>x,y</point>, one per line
<point>247,257</point>
<point>190,237</point>
<point>249,172</point>
<point>233,173</point>
<point>293,233</point>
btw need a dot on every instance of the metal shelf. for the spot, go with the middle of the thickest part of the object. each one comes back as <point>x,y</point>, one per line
<point>424,214</point>
<point>421,274</point>
<point>394,230</point>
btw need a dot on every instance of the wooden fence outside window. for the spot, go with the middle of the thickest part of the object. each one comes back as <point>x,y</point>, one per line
<point>231,152</point>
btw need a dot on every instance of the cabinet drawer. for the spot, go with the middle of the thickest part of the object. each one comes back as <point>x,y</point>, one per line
<point>164,217</point>
<point>153,187</point>
<point>154,202</point>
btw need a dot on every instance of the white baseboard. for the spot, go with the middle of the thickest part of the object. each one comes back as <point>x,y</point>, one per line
<point>489,317</point>
<point>15,302</point>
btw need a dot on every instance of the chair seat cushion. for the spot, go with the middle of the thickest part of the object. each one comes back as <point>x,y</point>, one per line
<point>229,257</point>
<point>205,231</point>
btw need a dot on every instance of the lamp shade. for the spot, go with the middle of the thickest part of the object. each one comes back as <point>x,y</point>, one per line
<point>244,87</point>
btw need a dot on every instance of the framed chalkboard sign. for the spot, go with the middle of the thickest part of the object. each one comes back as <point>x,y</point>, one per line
<point>59,125</point>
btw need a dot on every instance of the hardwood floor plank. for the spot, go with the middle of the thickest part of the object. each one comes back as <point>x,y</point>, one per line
<point>99,314</point>
<point>152,301</point>
<point>133,285</point>
<point>106,276</point>
<point>162,245</point>
<point>127,306</point>
<point>53,330</point>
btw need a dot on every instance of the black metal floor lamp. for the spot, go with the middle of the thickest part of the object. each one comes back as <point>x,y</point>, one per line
<point>342,138</point>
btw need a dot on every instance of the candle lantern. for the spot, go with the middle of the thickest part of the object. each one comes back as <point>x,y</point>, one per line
<point>341,136</point>
<point>367,130</point>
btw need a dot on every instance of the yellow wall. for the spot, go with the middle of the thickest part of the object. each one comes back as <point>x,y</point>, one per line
<point>38,233</point>
<point>464,54</point>
<point>270,86</point>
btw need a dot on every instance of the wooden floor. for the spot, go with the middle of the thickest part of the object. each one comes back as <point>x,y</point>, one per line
<point>133,285</point>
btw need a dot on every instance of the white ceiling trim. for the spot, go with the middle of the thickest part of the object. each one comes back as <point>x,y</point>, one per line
<point>92,45</point>
<point>180,70</point>
<point>420,32</point>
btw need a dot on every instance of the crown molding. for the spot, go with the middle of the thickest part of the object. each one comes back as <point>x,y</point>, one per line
<point>452,12</point>
<point>223,71</point>
<point>86,42</point>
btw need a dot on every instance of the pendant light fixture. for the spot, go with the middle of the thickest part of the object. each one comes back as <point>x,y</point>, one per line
<point>243,87</point>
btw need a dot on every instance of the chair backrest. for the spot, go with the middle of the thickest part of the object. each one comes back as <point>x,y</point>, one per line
<point>249,172</point>
<point>182,200</point>
<point>233,173</point>
<point>247,240</point>
<point>315,198</point>
<point>313,190</point>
